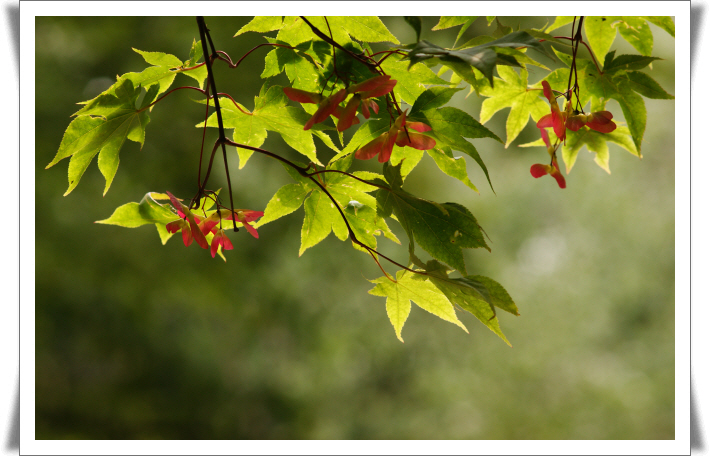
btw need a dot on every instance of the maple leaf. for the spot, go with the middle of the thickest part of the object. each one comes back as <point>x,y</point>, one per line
<point>270,113</point>
<point>116,119</point>
<point>442,230</point>
<point>423,293</point>
<point>512,92</point>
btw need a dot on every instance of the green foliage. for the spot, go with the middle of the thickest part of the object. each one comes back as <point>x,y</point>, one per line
<point>275,346</point>
<point>334,65</point>
<point>406,289</point>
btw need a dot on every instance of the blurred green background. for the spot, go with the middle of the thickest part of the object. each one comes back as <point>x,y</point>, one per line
<point>135,340</point>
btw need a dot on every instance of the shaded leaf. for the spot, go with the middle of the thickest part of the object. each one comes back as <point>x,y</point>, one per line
<point>433,97</point>
<point>451,125</point>
<point>626,62</point>
<point>416,23</point>
<point>476,295</point>
<point>442,230</point>
<point>645,85</point>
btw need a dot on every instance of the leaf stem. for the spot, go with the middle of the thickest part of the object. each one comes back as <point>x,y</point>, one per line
<point>204,92</point>
<point>347,174</point>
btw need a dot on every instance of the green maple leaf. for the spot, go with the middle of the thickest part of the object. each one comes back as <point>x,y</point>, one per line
<point>411,81</point>
<point>559,22</point>
<point>442,230</point>
<point>600,34</point>
<point>453,21</point>
<point>645,85</point>
<point>408,157</point>
<point>261,24</point>
<point>368,29</point>
<point>286,200</point>
<point>162,70</point>
<point>302,68</point>
<point>512,92</point>
<point>322,215</point>
<point>321,218</point>
<point>86,136</point>
<point>271,113</point>
<point>432,98</point>
<point>423,293</point>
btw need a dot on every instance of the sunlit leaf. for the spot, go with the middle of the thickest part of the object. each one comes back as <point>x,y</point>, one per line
<point>88,136</point>
<point>512,91</point>
<point>423,293</point>
<point>271,113</point>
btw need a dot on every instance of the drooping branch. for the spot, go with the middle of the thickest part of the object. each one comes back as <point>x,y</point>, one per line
<point>204,36</point>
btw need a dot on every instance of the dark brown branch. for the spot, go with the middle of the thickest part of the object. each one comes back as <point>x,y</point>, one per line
<point>204,34</point>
